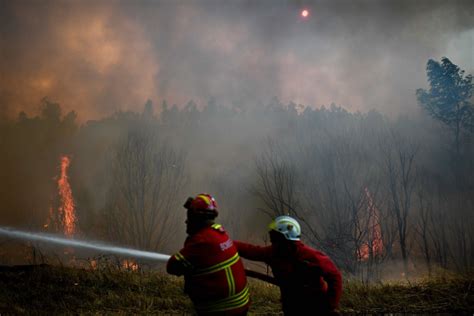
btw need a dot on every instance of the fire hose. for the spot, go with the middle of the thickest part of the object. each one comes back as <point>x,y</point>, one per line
<point>261,276</point>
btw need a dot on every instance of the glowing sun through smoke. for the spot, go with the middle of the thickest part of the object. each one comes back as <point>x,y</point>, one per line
<point>305,13</point>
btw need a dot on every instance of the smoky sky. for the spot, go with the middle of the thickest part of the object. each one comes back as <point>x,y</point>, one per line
<point>98,57</point>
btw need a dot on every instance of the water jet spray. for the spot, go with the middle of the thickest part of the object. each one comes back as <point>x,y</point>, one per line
<point>84,244</point>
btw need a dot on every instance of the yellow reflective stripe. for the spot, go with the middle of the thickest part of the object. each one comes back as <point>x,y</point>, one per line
<point>183,260</point>
<point>228,300</point>
<point>236,301</point>
<point>219,266</point>
<point>216,226</point>
<point>205,198</point>
<point>230,280</point>
<point>227,307</point>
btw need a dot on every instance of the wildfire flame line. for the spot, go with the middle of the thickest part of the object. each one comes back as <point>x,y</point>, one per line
<point>374,244</point>
<point>67,202</point>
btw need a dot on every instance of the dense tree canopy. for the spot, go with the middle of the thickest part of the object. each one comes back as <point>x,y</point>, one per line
<point>449,98</point>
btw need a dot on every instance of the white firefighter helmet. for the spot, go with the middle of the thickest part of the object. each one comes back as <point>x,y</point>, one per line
<point>286,225</point>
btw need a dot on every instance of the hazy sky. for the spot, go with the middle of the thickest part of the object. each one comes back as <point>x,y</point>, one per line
<point>97,57</point>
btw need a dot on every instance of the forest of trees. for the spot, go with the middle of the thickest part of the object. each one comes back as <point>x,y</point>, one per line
<point>369,190</point>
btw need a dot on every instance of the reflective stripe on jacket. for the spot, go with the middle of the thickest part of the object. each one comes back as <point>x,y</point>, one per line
<point>213,271</point>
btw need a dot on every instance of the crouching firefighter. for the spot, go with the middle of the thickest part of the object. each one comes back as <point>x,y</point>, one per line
<point>214,276</point>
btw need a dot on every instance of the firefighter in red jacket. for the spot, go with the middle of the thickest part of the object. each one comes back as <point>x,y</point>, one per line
<point>310,283</point>
<point>214,276</point>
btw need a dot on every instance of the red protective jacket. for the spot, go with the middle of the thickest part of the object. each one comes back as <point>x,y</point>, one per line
<point>310,283</point>
<point>213,272</point>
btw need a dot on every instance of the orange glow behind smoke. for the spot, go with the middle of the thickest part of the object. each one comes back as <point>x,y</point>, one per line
<point>66,210</point>
<point>374,244</point>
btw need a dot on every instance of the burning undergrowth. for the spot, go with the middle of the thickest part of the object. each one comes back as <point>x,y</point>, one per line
<point>115,289</point>
<point>62,217</point>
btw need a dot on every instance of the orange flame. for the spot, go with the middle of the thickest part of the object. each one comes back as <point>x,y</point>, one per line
<point>66,210</point>
<point>130,265</point>
<point>50,218</point>
<point>374,244</point>
<point>93,264</point>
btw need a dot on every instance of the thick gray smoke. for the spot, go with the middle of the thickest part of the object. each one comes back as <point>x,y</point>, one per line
<point>97,57</point>
<point>243,63</point>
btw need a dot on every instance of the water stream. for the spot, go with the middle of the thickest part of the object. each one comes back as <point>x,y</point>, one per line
<point>83,244</point>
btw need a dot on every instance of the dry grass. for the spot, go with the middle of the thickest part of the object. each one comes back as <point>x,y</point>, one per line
<point>447,294</point>
<point>59,290</point>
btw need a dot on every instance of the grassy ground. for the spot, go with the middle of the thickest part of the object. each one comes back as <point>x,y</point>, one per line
<point>59,290</point>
